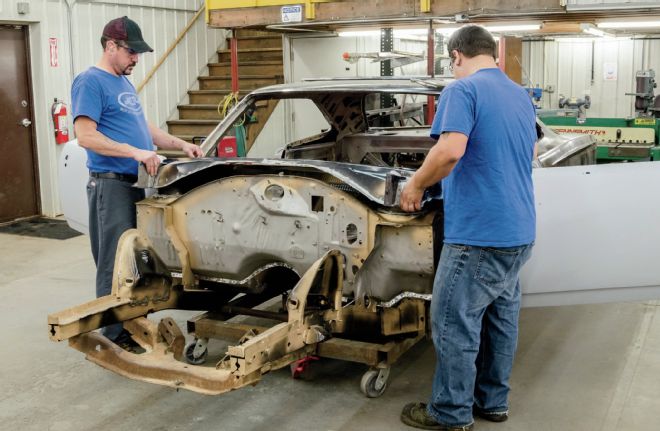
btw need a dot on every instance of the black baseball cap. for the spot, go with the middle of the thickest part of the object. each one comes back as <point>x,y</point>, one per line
<point>126,30</point>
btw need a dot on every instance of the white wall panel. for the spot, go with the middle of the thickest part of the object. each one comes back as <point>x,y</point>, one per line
<point>532,62</point>
<point>411,46</point>
<point>160,20</point>
<point>566,65</point>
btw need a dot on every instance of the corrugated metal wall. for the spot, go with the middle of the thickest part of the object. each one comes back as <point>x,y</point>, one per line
<point>161,22</point>
<point>575,67</point>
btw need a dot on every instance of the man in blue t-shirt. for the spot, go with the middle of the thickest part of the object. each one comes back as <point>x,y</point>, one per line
<point>486,131</point>
<point>110,124</point>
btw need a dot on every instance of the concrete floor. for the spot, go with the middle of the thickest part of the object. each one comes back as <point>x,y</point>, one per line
<point>581,368</point>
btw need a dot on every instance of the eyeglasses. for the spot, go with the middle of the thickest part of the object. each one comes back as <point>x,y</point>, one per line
<point>130,51</point>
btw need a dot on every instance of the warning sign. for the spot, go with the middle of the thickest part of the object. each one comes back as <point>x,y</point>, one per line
<point>292,13</point>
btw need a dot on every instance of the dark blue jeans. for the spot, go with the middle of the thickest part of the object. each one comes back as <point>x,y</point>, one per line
<point>474,316</point>
<point>111,213</point>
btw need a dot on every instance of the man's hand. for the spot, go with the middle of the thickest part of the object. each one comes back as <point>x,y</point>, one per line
<point>191,150</point>
<point>438,163</point>
<point>166,141</point>
<point>411,196</point>
<point>149,158</point>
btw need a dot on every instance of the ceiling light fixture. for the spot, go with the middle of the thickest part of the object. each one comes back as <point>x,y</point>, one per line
<point>629,24</point>
<point>519,27</point>
<point>447,31</point>
<point>590,29</point>
<point>594,32</point>
<point>403,32</point>
<point>358,33</point>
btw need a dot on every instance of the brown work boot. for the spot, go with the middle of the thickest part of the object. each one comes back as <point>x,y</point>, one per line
<point>416,415</point>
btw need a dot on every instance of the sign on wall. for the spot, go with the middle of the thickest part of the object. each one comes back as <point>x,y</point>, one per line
<point>54,61</point>
<point>292,13</point>
<point>609,71</point>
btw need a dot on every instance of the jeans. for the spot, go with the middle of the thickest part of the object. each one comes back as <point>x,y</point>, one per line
<point>474,317</point>
<point>111,213</point>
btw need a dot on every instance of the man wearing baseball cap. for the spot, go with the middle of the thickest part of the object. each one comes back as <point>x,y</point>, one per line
<point>110,124</point>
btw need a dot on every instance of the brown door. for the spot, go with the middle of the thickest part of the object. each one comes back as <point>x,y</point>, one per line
<point>18,182</point>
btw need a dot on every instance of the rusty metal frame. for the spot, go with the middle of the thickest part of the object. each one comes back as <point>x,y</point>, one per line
<point>138,291</point>
<point>372,353</point>
<point>135,294</point>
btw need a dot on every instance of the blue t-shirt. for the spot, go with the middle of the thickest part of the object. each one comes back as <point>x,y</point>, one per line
<point>111,101</point>
<point>489,195</point>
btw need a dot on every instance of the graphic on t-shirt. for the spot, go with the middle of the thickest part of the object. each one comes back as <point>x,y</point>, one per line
<point>130,103</point>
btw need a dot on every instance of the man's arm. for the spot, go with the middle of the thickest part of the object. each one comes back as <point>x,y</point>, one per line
<point>168,142</point>
<point>438,163</point>
<point>90,138</point>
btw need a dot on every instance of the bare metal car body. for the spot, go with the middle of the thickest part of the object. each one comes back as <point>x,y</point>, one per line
<point>322,228</point>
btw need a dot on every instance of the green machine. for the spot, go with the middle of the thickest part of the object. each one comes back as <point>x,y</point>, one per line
<point>619,139</point>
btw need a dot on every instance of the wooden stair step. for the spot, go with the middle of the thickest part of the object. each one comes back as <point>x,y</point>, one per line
<point>245,82</point>
<point>202,106</point>
<point>259,42</point>
<point>211,96</point>
<point>227,51</point>
<point>268,67</point>
<point>193,122</point>
<point>191,127</point>
<point>199,112</point>
<point>274,62</point>
<point>251,54</point>
<point>241,77</point>
<point>188,138</point>
<point>205,111</point>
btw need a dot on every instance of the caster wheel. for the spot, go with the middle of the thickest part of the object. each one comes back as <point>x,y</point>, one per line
<point>374,382</point>
<point>189,353</point>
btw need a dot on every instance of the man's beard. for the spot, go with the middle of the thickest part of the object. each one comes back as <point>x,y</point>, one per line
<point>128,69</point>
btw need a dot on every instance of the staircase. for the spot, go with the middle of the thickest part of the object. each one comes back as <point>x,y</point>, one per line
<point>259,65</point>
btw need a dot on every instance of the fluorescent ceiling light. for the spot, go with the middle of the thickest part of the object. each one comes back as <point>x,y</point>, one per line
<point>519,27</point>
<point>568,39</point>
<point>629,24</point>
<point>594,32</point>
<point>411,31</point>
<point>358,33</point>
<point>447,31</point>
<point>587,39</point>
<point>397,32</point>
<point>590,29</point>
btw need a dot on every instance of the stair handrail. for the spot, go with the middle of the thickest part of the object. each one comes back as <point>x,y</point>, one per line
<point>173,45</point>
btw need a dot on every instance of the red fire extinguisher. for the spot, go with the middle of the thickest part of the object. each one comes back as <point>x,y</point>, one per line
<point>60,122</point>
